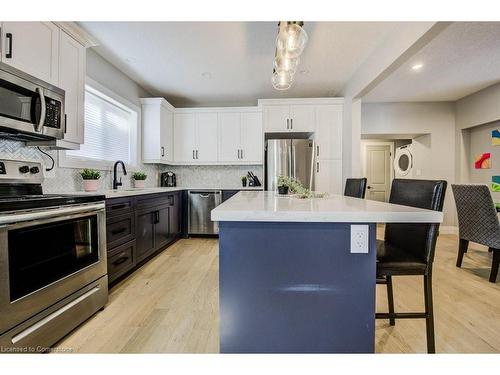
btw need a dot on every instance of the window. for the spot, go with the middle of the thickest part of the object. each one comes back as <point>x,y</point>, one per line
<point>110,131</point>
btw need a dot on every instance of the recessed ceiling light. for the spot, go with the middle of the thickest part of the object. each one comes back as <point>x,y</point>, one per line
<point>206,75</point>
<point>417,67</point>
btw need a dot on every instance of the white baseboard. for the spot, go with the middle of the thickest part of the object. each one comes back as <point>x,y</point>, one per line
<point>448,229</point>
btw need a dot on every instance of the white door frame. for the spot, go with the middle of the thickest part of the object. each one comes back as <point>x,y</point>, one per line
<point>369,142</point>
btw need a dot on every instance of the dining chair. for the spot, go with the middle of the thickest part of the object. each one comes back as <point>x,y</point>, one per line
<point>408,248</point>
<point>477,222</point>
<point>355,187</point>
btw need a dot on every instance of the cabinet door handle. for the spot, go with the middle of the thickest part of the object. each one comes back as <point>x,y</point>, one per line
<point>8,36</point>
<point>288,123</point>
<point>291,123</point>
<point>238,153</point>
<point>120,260</point>
<point>119,206</point>
<point>317,167</point>
<point>65,123</point>
<point>193,154</point>
<point>196,154</point>
<point>162,151</point>
<point>317,150</point>
<point>118,231</point>
<point>241,153</point>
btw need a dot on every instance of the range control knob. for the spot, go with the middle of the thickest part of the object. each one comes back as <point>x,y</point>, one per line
<point>34,170</point>
<point>24,169</point>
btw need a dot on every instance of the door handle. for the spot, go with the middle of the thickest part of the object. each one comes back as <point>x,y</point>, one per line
<point>43,109</point>
<point>241,154</point>
<point>8,36</point>
<point>162,151</point>
<point>193,154</point>
<point>196,154</point>
<point>288,123</point>
<point>317,150</point>
<point>368,187</point>
<point>238,153</point>
<point>65,123</point>
<point>317,167</point>
<point>291,123</point>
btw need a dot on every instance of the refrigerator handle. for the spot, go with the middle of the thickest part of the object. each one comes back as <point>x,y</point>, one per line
<point>290,160</point>
<point>311,176</point>
<point>294,169</point>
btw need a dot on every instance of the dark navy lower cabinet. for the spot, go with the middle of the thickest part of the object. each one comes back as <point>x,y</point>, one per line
<point>295,288</point>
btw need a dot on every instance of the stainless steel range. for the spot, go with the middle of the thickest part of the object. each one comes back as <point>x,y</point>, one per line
<point>52,259</point>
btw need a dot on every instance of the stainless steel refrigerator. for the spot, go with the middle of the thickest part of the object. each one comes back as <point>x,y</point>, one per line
<point>292,158</point>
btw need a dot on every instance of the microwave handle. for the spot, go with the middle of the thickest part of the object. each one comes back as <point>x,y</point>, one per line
<point>43,110</point>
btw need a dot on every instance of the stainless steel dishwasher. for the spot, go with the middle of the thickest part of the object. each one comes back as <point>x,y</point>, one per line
<point>201,203</point>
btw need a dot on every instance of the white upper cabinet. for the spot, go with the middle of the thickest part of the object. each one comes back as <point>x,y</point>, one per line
<point>195,138</point>
<point>72,81</point>
<point>184,137</point>
<point>252,148</point>
<point>229,137</point>
<point>240,137</point>
<point>288,118</point>
<point>157,131</point>
<point>302,118</point>
<point>207,137</point>
<point>32,47</point>
<point>328,133</point>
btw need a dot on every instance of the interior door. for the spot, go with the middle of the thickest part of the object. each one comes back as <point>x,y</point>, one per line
<point>184,137</point>
<point>378,172</point>
<point>302,118</point>
<point>206,137</point>
<point>32,47</point>
<point>251,137</point>
<point>230,134</point>
<point>72,80</point>
<point>276,118</point>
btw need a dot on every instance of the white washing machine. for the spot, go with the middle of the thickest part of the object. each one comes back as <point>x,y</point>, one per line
<point>403,161</point>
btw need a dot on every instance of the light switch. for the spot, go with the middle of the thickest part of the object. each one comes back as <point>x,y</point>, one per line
<point>359,239</point>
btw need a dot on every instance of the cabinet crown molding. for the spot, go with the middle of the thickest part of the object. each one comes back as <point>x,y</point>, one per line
<point>158,101</point>
<point>78,33</point>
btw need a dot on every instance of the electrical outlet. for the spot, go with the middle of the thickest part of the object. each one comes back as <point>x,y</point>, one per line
<point>359,238</point>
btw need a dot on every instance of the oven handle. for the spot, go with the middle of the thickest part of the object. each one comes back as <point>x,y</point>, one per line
<point>50,213</point>
<point>43,110</point>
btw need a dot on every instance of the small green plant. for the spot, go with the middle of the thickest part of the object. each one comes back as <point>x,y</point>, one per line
<point>139,176</point>
<point>296,187</point>
<point>244,179</point>
<point>90,174</point>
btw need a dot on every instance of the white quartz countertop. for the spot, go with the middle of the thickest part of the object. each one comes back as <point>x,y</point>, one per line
<point>120,193</point>
<point>269,206</point>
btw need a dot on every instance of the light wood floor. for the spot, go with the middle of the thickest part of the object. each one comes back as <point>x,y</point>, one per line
<point>170,305</point>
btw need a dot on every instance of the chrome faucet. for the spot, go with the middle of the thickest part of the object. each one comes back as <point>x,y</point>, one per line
<point>117,183</point>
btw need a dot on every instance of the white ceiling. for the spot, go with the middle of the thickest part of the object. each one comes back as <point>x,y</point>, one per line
<point>462,59</point>
<point>169,58</point>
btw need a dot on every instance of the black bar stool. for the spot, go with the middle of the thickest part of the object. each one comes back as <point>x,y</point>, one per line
<point>408,249</point>
<point>355,187</point>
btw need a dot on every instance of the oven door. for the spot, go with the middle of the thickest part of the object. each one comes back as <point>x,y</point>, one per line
<point>29,109</point>
<point>45,256</point>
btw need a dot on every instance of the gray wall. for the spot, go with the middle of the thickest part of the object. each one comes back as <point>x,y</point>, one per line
<point>434,152</point>
<point>480,142</point>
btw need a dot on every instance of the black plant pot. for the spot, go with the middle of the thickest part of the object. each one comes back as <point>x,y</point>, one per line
<point>283,190</point>
<point>244,183</point>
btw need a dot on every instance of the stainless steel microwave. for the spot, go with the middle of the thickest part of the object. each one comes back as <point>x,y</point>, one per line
<point>30,109</point>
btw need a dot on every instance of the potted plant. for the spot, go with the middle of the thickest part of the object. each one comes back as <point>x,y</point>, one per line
<point>90,179</point>
<point>282,185</point>
<point>244,181</point>
<point>139,179</point>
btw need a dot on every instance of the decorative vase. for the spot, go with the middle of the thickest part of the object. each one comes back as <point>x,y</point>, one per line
<point>90,185</point>
<point>139,184</point>
<point>283,190</point>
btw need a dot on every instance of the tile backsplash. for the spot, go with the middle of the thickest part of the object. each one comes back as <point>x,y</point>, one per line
<point>69,180</point>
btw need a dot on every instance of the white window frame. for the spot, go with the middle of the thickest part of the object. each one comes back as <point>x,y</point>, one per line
<point>66,161</point>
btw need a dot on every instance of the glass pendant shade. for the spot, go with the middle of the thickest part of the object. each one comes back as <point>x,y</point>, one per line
<point>282,80</point>
<point>291,40</point>
<point>285,64</point>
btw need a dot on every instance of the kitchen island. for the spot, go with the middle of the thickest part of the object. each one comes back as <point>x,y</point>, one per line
<point>298,275</point>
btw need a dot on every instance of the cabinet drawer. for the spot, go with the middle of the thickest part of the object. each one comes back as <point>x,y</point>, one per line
<point>120,229</point>
<point>119,206</point>
<point>121,260</point>
<point>154,200</point>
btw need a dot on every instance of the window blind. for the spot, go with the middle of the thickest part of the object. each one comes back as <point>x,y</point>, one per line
<point>107,130</point>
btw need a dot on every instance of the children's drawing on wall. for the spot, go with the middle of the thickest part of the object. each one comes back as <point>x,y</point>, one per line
<point>495,183</point>
<point>495,137</point>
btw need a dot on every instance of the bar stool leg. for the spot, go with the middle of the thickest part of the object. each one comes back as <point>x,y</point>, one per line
<point>390,299</point>
<point>494,265</point>
<point>462,249</point>
<point>429,311</point>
